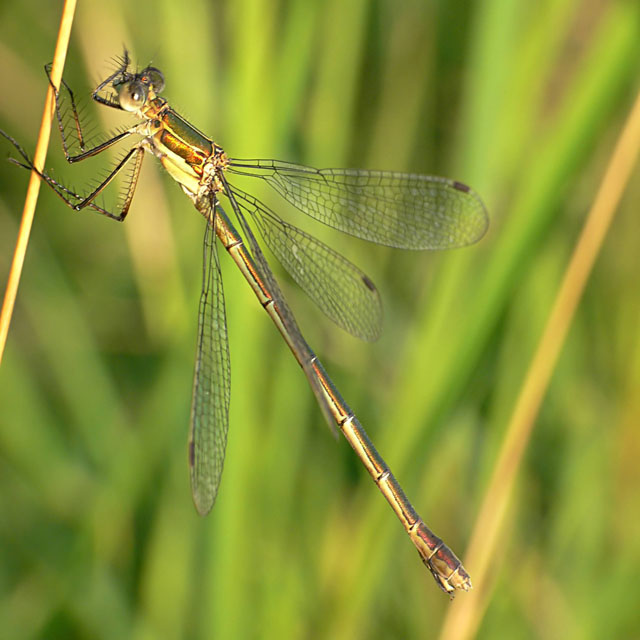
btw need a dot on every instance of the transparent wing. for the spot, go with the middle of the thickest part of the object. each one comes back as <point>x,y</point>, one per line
<point>343,292</point>
<point>403,210</point>
<point>211,384</point>
<point>286,323</point>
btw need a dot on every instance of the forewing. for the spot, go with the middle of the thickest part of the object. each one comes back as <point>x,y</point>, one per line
<point>403,210</point>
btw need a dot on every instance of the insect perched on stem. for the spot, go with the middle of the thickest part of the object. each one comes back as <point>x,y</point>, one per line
<point>403,210</point>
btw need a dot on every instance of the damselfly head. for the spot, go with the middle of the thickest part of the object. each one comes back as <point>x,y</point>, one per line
<point>133,90</point>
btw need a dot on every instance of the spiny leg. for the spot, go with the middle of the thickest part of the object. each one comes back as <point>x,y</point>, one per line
<point>77,127</point>
<point>76,201</point>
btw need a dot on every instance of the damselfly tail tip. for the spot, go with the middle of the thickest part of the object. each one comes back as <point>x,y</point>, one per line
<point>458,580</point>
<point>448,571</point>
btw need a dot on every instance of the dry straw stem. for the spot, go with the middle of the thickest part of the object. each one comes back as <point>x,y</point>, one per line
<point>64,33</point>
<point>464,617</point>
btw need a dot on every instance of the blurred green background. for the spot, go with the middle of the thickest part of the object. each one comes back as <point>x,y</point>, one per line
<point>522,100</point>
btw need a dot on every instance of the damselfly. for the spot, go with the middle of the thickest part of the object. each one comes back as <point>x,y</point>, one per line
<point>401,210</point>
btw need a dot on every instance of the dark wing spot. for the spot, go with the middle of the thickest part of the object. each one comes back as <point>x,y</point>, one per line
<point>461,186</point>
<point>192,453</point>
<point>368,283</point>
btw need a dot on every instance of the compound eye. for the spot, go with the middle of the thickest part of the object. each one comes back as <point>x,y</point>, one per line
<point>154,77</point>
<point>132,95</point>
